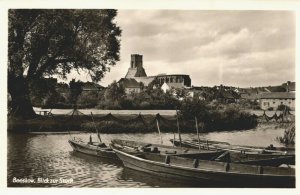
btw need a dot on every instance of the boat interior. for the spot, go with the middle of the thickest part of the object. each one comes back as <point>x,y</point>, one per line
<point>214,165</point>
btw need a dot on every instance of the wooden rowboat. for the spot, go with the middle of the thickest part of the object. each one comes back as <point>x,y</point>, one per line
<point>238,148</point>
<point>93,148</point>
<point>134,146</point>
<point>228,174</point>
<point>246,156</point>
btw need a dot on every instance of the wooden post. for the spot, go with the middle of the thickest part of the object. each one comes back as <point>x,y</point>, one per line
<point>198,136</point>
<point>178,129</point>
<point>98,135</point>
<point>161,141</point>
<point>173,138</point>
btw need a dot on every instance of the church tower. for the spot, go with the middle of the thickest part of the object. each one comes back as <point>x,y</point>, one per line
<point>136,67</point>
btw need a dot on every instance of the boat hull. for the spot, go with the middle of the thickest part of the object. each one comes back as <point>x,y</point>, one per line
<point>227,146</point>
<point>207,171</point>
<point>82,147</point>
<point>253,157</point>
<point>166,150</point>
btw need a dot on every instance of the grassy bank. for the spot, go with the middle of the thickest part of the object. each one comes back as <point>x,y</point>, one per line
<point>125,124</point>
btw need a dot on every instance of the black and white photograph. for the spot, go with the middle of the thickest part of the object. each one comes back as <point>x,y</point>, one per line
<point>150,98</point>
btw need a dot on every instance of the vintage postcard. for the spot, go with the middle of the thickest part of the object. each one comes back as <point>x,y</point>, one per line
<point>160,97</point>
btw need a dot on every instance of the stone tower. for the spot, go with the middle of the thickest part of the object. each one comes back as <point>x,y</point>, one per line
<point>136,67</point>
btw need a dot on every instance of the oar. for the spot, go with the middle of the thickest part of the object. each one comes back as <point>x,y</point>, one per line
<point>161,141</point>
<point>98,135</point>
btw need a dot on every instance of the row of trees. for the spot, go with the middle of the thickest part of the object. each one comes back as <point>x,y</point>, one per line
<point>44,94</point>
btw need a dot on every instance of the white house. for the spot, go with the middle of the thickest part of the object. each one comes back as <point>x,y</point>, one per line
<point>165,87</point>
<point>274,99</point>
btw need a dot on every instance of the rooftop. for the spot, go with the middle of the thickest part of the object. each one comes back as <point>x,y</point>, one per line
<point>277,95</point>
<point>129,83</point>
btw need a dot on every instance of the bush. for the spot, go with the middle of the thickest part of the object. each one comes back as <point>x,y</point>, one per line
<point>115,127</point>
<point>145,105</point>
<point>283,107</point>
<point>126,104</point>
<point>289,136</point>
<point>87,100</point>
<point>229,118</point>
<point>194,108</point>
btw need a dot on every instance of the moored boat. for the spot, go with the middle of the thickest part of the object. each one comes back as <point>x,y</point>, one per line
<point>194,170</point>
<point>93,148</point>
<point>239,148</point>
<point>245,155</point>
<point>134,146</point>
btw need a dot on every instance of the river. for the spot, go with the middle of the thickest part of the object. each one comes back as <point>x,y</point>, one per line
<point>49,156</point>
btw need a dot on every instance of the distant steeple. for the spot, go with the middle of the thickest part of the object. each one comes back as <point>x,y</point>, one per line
<point>136,67</point>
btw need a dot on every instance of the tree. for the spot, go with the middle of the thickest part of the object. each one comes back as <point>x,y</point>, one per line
<point>41,88</point>
<point>191,108</point>
<point>75,91</point>
<point>54,42</point>
<point>181,93</point>
<point>114,91</point>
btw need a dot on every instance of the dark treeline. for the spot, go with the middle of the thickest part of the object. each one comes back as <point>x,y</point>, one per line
<point>208,120</point>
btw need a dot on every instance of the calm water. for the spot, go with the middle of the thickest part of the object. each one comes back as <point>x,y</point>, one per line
<point>49,156</point>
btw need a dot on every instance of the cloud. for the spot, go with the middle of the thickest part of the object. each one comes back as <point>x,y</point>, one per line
<point>242,48</point>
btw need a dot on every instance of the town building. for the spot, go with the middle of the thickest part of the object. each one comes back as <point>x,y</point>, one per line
<point>130,85</point>
<point>137,72</point>
<point>93,87</point>
<point>274,99</point>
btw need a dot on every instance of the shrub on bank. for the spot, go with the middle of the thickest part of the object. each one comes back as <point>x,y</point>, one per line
<point>114,127</point>
<point>230,119</point>
<point>135,127</point>
<point>288,137</point>
<point>214,118</point>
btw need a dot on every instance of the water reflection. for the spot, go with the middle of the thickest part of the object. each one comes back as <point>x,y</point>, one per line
<point>34,156</point>
<point>145,179</point>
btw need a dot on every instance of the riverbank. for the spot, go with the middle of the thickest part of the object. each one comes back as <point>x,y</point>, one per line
<point>122,124</point>
<point>127,122</point>
<point>105,123</point>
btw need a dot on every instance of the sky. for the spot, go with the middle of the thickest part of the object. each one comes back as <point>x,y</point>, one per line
<point>233,48</point>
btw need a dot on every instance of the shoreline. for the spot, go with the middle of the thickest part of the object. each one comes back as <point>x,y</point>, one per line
<point>112,124</point>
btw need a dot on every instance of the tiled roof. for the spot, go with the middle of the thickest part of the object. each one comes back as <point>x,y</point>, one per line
<point>250,96</point>
<point>129,83</point>
<point>131,73</point>
<point>90,86</point>
<point>277,95</point>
